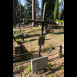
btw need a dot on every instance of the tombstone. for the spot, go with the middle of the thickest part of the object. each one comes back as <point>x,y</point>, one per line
<point>60,51</point>
<point>17,50</point>
<point>38,64</point>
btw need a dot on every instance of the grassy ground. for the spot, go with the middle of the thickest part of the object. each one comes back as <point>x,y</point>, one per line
<point>54,39</point>
<point>31,42</point>
<point>60,21</point>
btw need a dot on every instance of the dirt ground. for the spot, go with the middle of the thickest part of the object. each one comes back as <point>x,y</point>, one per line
<point>54,39</point>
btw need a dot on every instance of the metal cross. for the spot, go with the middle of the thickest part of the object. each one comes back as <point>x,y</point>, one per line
<point>43,22</point>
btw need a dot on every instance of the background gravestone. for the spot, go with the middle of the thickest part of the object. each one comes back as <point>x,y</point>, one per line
<point>17,50</point>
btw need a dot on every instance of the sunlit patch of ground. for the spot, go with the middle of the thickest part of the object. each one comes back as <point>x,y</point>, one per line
<point>52,39</point>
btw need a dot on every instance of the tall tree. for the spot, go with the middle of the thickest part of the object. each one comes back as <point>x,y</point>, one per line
<point>37,9</point>
<point>28,8</point>
<point>20,11</point>
<point>33,12</point>
<point>14,11</point>
<point>61,3</point>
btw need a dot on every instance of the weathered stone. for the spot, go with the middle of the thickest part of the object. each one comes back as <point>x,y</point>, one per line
<point>40,72</point>
<point>17,50</point>
<point>39,63</point>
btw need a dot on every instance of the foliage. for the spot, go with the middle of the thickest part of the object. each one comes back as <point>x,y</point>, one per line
<point>49,65</point>
<point>19,67</point>
<point>37,9</point>
<point>61,2</point>
<point>61,67</point>
<point>39,17</point>
<point>60,21</point>
<point>28,69</point>
<point>56,10</point>
<point>43,75</point>
<point>55,76</point>
<point>61,5</point>
<point>25,22</point>
<point>28,8</point>
<point>20,12</point>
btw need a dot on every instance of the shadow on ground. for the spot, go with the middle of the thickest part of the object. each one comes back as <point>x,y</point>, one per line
<point>54,68</point>
<point>56,58</point>
<point>59,33</point>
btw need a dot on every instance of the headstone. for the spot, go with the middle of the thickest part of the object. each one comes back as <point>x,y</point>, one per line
<point>39,64</point>
<point>17,50</point>
<point>60,51</point>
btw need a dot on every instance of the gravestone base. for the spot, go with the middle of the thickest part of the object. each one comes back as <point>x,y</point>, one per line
<point>40,72</point>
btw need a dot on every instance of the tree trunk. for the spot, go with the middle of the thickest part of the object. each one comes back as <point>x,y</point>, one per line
<point>14,12</point>
<point>42,7</point>
<point>33,12</point>
<point>20,7</point>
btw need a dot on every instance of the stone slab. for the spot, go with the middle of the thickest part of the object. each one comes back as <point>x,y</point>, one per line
<point>40,72</point>
<point>17,50</point>
<point>39,63</point>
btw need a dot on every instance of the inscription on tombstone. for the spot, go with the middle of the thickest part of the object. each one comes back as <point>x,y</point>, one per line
<point>41,40</point>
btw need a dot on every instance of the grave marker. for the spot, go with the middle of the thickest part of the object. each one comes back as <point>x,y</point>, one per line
<point>41,40</point>
<point>17,50</point>
<point>43,22</point>
<point>38,64</point>
<point>60,51</point>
